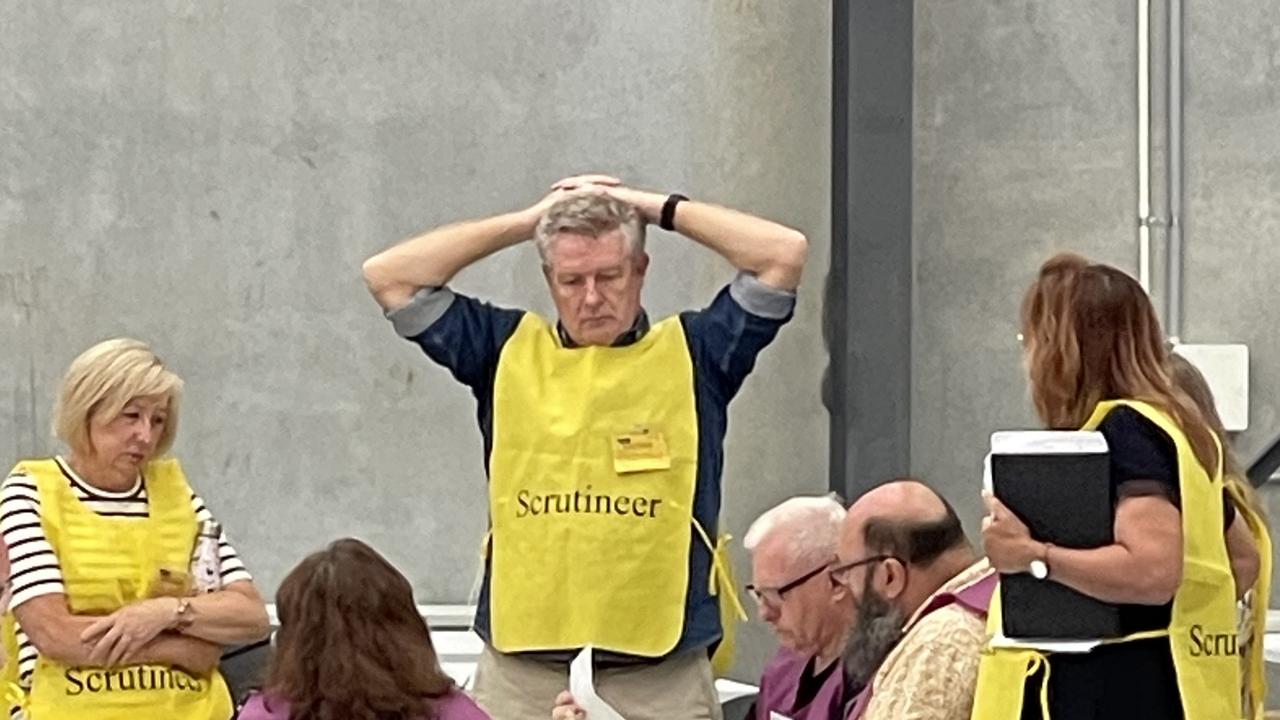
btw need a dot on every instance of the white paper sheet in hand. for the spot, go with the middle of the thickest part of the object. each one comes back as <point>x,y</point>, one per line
<point>583,688</point>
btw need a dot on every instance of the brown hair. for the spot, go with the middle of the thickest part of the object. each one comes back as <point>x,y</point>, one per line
<point>351,644</point>
<point>1090,334</point>
<point>915,541</point>
<point>1187,377</point>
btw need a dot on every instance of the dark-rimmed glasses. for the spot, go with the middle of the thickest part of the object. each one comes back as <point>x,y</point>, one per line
<point>773,596</point>
<point>838,572</point>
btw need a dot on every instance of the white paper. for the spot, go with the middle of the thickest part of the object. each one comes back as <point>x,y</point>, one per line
<point>732,690</point>
<point>1050,646</point>
<point>583,688</point>
<point>1048,442</point>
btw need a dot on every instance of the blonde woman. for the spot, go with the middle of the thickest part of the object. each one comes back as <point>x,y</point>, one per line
<point>104,618</point>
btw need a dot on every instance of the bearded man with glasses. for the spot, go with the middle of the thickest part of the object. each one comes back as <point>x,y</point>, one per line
<point>920,597</point>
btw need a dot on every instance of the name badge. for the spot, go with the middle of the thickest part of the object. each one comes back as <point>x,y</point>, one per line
<point>641,450</point>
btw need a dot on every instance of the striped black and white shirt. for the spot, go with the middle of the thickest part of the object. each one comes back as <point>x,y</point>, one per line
<point>33,566</point>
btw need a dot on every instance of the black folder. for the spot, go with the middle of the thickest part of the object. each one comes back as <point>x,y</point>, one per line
<point>1058,483</point>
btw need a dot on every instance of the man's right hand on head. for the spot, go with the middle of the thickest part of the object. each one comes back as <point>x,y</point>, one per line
<point>566,187</point>
<point>648,204</point>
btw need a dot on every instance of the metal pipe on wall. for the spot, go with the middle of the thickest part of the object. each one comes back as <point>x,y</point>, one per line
<point>1144,144</point>
<point>1174,258</point>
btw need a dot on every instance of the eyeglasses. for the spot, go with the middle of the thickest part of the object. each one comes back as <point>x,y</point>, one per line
<point>773,596</point>
<point>838,572</point>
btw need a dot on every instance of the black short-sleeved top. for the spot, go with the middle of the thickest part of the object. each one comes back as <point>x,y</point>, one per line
<point>1134,679</point>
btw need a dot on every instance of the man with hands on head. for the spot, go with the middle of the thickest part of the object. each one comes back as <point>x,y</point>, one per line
<point>603,436</point>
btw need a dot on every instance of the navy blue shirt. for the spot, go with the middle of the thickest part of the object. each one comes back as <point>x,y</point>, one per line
<point>466,336</point>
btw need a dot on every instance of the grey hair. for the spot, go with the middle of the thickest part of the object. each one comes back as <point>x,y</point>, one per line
<point>590,214</point>
<point>813,524</point>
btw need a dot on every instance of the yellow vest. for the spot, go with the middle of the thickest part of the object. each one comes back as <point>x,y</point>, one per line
<point>1202,630</point>
<point>106,564</point>
<point>1252,664</point>
<point>592,477</point>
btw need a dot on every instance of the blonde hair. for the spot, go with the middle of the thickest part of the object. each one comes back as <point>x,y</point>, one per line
<point>102,380</point>
<point>592,215</point>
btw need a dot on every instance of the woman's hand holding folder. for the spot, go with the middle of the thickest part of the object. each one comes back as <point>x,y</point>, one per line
<point>1007,540</point>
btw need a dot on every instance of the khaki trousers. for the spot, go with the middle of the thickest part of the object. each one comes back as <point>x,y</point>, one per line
<point>515,687</point>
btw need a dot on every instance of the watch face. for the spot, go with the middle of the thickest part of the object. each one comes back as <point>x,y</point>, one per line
<point>1039,570</point>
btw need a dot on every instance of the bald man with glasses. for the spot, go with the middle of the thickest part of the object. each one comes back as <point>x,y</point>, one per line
<point>920,595</point>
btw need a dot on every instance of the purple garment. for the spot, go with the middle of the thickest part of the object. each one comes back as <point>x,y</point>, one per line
<point>780,682</point>
<point>858,705</point>
<point>975,597</point>
<point>457,705</point>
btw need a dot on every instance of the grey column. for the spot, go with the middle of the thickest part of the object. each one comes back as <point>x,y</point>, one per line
<point>867,313</point>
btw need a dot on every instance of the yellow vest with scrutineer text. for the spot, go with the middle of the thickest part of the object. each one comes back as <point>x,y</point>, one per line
<point>107,563</point>
<point>1202,631</point>
<point>592,480</point>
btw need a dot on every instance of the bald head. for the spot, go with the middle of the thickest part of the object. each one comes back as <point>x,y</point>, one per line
<point>905,499</point>
<point>900,542</point>
<point>903,518</point>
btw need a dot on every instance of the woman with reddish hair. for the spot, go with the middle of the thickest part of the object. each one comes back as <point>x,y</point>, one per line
<point>352,646</point>
<point>1181,555</point>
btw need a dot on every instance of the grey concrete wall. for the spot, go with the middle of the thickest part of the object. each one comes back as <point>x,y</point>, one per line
<point>209,176</point>
<point>1233,195</point>
<point>1025,146</point>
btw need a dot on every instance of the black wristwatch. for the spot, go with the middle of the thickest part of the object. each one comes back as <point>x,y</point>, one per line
<point>667,220</point>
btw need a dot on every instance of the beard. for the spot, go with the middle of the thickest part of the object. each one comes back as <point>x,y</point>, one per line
<point>873,636</point>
